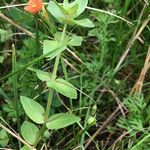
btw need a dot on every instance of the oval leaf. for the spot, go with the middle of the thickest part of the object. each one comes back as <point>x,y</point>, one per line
<point>50,45</point>
<point>3,138</point>
<point>29,132</point>
<point>81,6</point>
<point>66,4</point>
<point>84,22</point>
<point>33,109</point>
<point>4,35</point>
<point>72,11</point>
<point>75,41</point>
<point>42,75</point>
<point>61,120</point>
<point>63,87</point>
<point>56,10</point>
<point>25,148</point>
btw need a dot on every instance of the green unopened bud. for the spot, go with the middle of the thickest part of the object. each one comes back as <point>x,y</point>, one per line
<point>94,108</point>
<point>46,134</point>
<point>117,82</point>
<point>91,120</point>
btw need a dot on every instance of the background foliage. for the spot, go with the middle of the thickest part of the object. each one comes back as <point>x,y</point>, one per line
<point>103,86</point>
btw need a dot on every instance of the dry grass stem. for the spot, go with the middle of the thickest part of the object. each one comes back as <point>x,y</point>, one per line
<point>139,84</point>
<point>102,127</point>
<point>17,137</point>
<point>135,36</point>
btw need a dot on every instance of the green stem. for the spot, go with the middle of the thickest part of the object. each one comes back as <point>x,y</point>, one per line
<point>58,57</point>
<point>80,97</point>
<point>140,142</point>
<point>50,94</point>
<point>38,53</point>
<point>41,132</point>
<point>64,31</point>
<point>49,101</point>
<point>29,64</point>
<point>66,77</point>
<point>64,68</point>
<point>15,82</point>
<point>54,75</point>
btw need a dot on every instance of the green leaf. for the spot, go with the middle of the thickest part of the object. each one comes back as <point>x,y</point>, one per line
<point>84,22</point>
<point>63,87</point>
<point>56,102</point>
<point>81,6</point>
<point>75,40</point>
<point>1,59</point>
<point>61,7</point>
<point>4,35</point>
<point>56,10</point>
<point>58,36</point>
<point>72,40</point>
<point>33,109</point>
<point>72,11</point>
<point>61,120</point>
<point>66,4</point>
<point>3,138</point>
<point>29,132</point>
<point>50,45</point>
<point>25,148</point>
<point>42,75</point>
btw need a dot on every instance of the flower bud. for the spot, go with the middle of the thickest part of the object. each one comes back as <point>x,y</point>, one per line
<point>91,120</point>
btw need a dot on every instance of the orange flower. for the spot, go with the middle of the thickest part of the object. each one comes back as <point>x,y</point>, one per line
<point>34,6</point>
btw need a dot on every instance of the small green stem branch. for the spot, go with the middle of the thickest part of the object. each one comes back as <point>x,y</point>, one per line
<point>41,132</point>
<point>54,75</point>
<point>140,142</point>
<point>49,101</point>
<point>37,37</point>
<point>66,77</point>
<point>58,57</point>
<point>64,31</point>
<point>38,53</point>
<point>50,94</point>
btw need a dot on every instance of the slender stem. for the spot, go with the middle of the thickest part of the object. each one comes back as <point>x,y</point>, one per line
<point>38,53</point>
<point>50,94</point>
<point>58,57</point>
<point>54,75</point>
<point>64,68</point>
<point>29,64</point>
<point>64,31</point>
<point>49,101</point>
<point>80,97</point>
<point>15,82</point>
<point>41,132</point>
<point>17,137</point>
<point>140,142</point>
<point>66,78</point>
